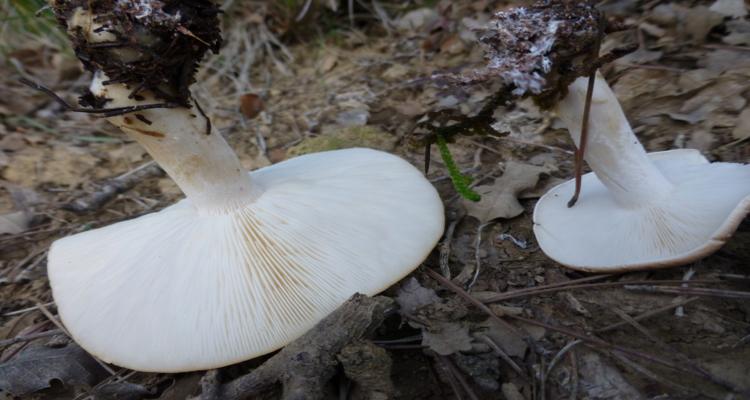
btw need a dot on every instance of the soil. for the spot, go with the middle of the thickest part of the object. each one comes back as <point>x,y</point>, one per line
<point>328,81</point>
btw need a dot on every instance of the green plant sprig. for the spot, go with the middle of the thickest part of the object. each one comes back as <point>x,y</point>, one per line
<point>460,182</point>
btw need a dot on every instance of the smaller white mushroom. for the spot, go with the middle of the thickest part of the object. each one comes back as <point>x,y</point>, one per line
<point>636,210</point>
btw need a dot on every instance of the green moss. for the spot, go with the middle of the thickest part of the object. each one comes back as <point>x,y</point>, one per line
<point>357,136</point>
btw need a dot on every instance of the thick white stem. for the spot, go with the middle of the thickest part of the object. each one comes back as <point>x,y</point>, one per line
<point>612,150</point>
<point>200,162</point>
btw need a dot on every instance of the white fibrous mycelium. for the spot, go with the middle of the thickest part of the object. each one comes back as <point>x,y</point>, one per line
<point>245,263</point>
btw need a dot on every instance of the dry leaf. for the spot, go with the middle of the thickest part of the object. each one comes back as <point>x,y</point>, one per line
<point>412,296</point>
<point>15,222</point>
<point>37,367</point>
<point>511,392</point>
<point>742,129</point>
<point>251,105</point>
<point>418,19</point>
<point>446,338</point>
<point>739,33</point>
<point>602,380</point>
<point>395,72</point>
<point>725,60</point>
<point>699,21</point>
<point>508,340</point>
<point>328,62</point>
<point>499,200</point>
<point>730,8</point>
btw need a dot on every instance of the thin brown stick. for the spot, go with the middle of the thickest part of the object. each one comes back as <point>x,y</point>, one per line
<point>728,294</point>
<point>560,354</point>
<point>476,302</point>
<point>443,370</point>
<point>580,151</point>
<point>112,187</point>
<point>573,374</point>
<point>549,289</point>
<point>648,314</point>
<point>500,353</point>
<point>534,289</point>
<point>460,376</point>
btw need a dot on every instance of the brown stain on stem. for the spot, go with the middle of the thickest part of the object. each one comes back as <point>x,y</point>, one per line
<point>144,132</point>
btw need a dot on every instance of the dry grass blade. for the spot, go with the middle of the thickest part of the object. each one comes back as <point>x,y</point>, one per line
<point>27,338</point>
<point>25,310</point>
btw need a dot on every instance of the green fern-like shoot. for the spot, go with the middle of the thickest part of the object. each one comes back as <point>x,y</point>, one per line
<point>460,182</point>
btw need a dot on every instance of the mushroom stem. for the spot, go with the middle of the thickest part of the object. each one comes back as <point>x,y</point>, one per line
<point>612,150</point>
<point>199,160</point>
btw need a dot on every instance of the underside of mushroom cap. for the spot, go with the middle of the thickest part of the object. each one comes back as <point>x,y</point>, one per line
<point>707,203</point>
<point>182,289</point>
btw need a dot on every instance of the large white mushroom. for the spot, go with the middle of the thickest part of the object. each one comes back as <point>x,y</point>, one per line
<point>636,209</point>
<point>245,263</point>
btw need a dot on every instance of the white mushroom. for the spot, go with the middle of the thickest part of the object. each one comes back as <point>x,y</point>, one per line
<point>636,210</point>
<point>247,262</point>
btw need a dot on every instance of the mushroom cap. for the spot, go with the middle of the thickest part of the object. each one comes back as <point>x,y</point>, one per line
<point>185,289</point>
<point>707,203</point>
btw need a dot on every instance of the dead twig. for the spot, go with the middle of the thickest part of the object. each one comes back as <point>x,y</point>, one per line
<point>560,354</point>
<point>503,356</point>
<point>477,258</point>
<point>112,187</point>
<point>28,338</point>
<point>304,366</point>
<point>550,289</point>
<point>728,294</point>
<point>680,311</point>
<point>648,314</point>
<point>573,374</point>
<point>460,377</point>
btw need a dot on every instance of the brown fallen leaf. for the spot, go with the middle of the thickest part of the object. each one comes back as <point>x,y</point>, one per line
<point>500,199</point>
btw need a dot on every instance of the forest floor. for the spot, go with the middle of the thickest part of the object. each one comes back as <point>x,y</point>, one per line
<point>282,88</point>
